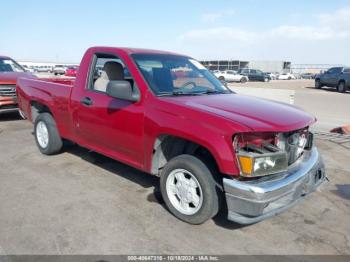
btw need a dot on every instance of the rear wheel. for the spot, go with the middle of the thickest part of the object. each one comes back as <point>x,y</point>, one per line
<point>46,133</point>
<point>341,87</point>
<point>222,79</point>
<point>243,80</point>
<point>189,189</point>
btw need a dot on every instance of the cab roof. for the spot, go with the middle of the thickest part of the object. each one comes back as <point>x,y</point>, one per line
<point>131,50</point>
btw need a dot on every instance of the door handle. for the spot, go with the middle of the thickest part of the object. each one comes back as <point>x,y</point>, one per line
<point>86,101</point>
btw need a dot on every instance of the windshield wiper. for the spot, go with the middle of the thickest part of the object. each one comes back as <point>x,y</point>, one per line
<point>209,92</point>
<point>180,93</point>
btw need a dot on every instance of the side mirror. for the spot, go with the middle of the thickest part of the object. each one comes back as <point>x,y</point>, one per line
<point>122,89</point>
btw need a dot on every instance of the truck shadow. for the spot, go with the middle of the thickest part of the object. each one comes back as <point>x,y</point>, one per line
<point>143,179</point>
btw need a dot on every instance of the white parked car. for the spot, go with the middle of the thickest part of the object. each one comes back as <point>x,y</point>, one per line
<point>59,70</point>
<point>43,69</point>
<point>271,75</point>
<point>230,76</point>
<point>286,76</point>
<point>29,69</point>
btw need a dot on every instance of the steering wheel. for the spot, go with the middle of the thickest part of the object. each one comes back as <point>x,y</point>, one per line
<point>189,83</point>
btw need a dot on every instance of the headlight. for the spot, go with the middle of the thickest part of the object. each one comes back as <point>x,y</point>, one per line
<point>258,154</point>
<point>254,164</point>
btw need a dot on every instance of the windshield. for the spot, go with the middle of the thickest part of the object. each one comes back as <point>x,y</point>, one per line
<point>177,75</point>
<point>8,65</point>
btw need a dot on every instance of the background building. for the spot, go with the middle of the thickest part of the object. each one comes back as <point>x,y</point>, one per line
<point>312,68</point>
<point>225,64</point>
<point>271,66</point>
<point>265,66</point>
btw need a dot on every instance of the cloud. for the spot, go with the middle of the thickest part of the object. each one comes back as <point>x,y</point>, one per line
<point>213,17</point>
<point>339,19</point>
<point>325,41</point>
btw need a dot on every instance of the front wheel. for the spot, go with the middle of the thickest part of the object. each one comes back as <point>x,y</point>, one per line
<point>46,134</point>
<point>189,189</point>
<point>341,87</point>
<point>318,84</point>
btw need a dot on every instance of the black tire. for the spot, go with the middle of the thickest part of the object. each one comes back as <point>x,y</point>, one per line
<point>222,79</point>
<point>289,78</point>
<point>210,191</point>
<point>243,80</point>
<point>318,84</point>
<point>55,143</point>
<point>341,87</point>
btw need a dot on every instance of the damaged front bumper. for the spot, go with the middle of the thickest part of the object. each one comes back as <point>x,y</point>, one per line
<point>255,200</point>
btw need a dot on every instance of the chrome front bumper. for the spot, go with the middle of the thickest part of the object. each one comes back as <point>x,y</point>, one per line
<point>252,201</point>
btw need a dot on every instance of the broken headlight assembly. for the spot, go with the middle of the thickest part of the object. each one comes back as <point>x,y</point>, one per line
<point>261,154</point>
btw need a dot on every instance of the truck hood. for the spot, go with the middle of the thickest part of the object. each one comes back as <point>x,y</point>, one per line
<point>10,78</point>
<point>255,113</point>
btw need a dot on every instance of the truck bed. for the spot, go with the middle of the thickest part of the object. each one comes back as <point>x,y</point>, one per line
<point>52,92</point>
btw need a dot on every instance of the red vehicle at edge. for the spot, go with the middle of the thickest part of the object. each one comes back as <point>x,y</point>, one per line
<point>205,142</point>
<point>10,71</point>
<point>72,71</point>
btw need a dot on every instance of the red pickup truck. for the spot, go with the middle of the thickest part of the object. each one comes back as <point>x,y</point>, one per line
<point>165,114</point>
<point>10,71</point>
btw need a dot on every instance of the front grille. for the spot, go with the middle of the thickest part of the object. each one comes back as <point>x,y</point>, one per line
<point>8,90</point>
<point>294,143</point>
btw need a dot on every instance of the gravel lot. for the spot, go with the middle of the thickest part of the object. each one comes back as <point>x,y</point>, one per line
<point>79,202</point>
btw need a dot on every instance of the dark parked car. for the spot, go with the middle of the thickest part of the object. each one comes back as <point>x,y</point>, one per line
<point>254,75</point>
<point>338,77</point>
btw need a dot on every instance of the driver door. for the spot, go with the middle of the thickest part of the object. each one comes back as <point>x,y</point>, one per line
<point>326,79</point>
<point>108,125</point>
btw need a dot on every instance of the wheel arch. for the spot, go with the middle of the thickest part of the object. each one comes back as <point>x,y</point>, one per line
<point>168,146</point>
<point>37,108</point>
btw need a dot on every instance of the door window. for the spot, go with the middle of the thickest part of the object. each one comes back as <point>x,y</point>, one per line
<point>334,70</point>
<point>107,68</point>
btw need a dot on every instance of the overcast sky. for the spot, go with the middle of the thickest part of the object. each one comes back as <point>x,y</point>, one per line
<point>298,31</point>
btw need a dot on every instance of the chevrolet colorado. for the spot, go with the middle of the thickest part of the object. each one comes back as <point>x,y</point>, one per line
<point>167,115</point>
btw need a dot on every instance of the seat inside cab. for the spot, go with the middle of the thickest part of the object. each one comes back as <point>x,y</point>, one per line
<point>107,70</point>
